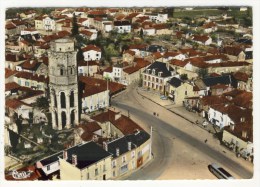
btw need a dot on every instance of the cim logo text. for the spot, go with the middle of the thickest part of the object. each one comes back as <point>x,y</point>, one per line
<point>21,174</point>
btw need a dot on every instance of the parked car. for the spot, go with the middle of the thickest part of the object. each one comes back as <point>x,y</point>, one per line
<point>219,172</point>
<point>163,97</point>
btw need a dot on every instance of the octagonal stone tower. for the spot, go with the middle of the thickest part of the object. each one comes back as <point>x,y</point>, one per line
<point>63,83</point>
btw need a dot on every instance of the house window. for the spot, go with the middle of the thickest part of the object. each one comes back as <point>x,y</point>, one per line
<point>26,83</point>
<point>87,175</point>
<point>97,54</point>
<point>186,93</point>
<point>123,159</point>
<point>104,167</point>
<point>214,114</point>
<point>133,154</point>
<point>114,164</point>
<point>96,171</point>
<point>48,168</point>
<point>61,72</point>
<point>114,173</point>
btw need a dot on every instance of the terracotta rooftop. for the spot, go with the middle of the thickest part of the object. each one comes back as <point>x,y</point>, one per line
<point>89,128</point>
<point>99,85</point>
<point>108,69</point>
<point>105,116</point>
<point>9,72</point>
<point>30,76</point>
<point>126,125</point>
<point>129,52</point>
<point>180,63</point>
<point>86,32</point>
<point>234,112</point>
<point>171,54</point>
<point>215,57</point>
<point>242,128</point>
<point>91,47</point>
<point>14,103</point>
<point>244,99</point>
<point>213,100</point>
<point>88,63</point>
<point>240,76</point>
<point>230,50</point>
<point>200,38</point>
<point>11,86</point>
<point>131,69</point>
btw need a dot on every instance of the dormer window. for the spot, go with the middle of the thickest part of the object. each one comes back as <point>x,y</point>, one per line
<point>147,70</point>
<point>160,74</point>
<point>244,134</point>
<point>153,71</point>
<point>232,126</point>
<point>242,119</point>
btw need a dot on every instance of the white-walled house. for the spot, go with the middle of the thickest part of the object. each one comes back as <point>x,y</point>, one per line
<point>91,52</point>
<point>223,115</point>
<point>122,26</point>
<point>50,164</point>
<point>117,72</point>
<point>49,24</point>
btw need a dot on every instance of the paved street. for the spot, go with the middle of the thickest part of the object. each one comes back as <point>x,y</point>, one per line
<point>178,145</point>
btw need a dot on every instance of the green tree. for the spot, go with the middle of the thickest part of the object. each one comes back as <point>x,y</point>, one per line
<point>184,77</point>
<point>203,72</point>
<point>141,33</point>
<point>75,27</point>
<point>42,102</point>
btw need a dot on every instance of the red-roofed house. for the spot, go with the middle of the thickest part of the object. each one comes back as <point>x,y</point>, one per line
<point>202,39</point>
<point>88,68</point>
<point>227,115</point>
<point>244,81</point>
<point>91,52</point>
<point>239,137</point>
<point>128,56</point>
<point>19,107</point>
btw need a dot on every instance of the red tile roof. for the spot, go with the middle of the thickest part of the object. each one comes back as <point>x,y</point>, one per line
<point>94,85</point>
<point>170,54</point>
<point>11,86</point>
<point>10,26</point>
<point>88,63</point>
<point>131,69</point>
<point>180,63</point>
<point>91,47</point>
<point>108,69</point>
<point>241,128</point>
<point>126,125</point>
<point>213,100</point>
<point>240,76</point>
<point>129,52</point>
<point>30,76</point>
<point>214,57</point>
<point>138,46</point>
<point>9,72</point>
<point>232,50</point>
<point>157,55</point>
<point>105,116</point>
<point>14,103</point>
<point>123,123</point>
<point>86,32</point>
<point>199,38</point>
<point>219,86</point>
<point>89,128</point>
<point>244,99</point>
<point>234,112</point>
<point>160,26</point>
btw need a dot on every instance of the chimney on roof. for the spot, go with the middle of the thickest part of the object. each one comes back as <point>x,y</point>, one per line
<point>105,146</point>
<point>129,146</point>
<point>74,160</point>
<point>117,152</point>
<point>168,66</point>
<point>117,116</point>
<point>65,154</point>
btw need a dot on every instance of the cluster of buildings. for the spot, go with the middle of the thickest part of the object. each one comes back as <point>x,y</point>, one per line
<point>208,74</point>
